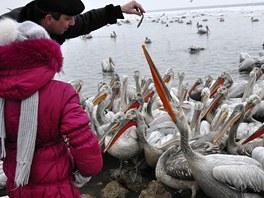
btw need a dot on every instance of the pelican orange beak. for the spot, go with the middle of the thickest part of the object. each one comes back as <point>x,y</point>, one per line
<point>110,129</point>
<point>161,89</point>
<point>196,84</point>
<point>99,97</point>
<point>220,121</point>
<point>132,105</point>
<point>149,95</point>
<point>120,131</point>
<point>216,85</point>
<point>212,105</point>
<point>166,78</point>
<point>255,135</point>
<point>230,122</point>
<point>249,107</point>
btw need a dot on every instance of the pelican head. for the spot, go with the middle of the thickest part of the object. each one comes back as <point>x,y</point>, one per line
<point>237,115</point>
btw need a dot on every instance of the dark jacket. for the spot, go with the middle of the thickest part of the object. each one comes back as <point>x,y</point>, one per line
<point>84,23</point>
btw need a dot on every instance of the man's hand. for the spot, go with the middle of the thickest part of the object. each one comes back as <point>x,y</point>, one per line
<point>133,8</point>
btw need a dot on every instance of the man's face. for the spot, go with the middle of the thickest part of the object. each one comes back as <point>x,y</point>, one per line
<point>61,25</point>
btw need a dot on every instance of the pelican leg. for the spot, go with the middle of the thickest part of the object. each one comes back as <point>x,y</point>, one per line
<point>135,175</point>
<point>194,191</point>
<point>118,172</point>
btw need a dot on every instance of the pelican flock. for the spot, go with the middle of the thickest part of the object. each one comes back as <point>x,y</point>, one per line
<point>198,143</point>
<point>206,136</point>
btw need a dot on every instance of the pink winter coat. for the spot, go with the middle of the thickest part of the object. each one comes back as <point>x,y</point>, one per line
<point>26,67</point>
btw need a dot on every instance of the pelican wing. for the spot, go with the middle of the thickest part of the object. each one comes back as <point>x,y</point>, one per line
<point>258,154</point>
<point>176,165</point>
<point>245,177</point>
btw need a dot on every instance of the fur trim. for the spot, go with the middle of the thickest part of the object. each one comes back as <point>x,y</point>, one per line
<point>8,31</point>
<point>31,53</point>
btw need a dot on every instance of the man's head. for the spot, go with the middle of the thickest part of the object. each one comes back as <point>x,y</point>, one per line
<point>56,16</point>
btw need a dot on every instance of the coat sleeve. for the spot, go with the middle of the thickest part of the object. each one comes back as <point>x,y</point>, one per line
<point>93,20</point>
<point>84,146</point>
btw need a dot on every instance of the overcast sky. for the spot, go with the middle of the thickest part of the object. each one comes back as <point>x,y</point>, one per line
<point>147,4</point>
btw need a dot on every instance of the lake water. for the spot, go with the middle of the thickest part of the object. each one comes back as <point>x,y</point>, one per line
<point>169,47</point>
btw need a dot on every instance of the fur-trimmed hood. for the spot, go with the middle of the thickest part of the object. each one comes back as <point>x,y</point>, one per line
<point>27,66</point>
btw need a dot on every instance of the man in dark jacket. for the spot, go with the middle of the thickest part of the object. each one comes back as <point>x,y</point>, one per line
<point>63,19</point>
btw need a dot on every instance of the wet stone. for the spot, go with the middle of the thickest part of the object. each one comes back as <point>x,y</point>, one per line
<point>155,190</point>
<point>114,190</point>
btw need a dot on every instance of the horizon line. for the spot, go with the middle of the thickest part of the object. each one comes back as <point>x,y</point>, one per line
<point>208,7</point>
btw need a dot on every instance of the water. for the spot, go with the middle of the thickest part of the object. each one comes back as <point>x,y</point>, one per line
<point>169,47</point>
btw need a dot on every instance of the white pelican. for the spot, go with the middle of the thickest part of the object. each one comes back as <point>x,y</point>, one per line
<point>113,34</point>
<point>205,30</point>
<point>198,25</point>
<point>3,177</point>
<point>108,65</point>
<point>124,145</point>
<point>243,56</point>
<point>77,85</point>
<point>195,91</point>
<point>253,19</point>
<point>246,147</point>
<point>86,36</point>
<point>218,175</point>
<point>189,22</point>
<point>153,143</point>
<point>195,49</point>
<point>221,19</point>
<point>147,40</point>
<point>247,65</point>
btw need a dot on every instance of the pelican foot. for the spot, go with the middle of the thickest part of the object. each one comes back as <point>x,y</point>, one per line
<point>117,173</point>
<point>135,176</point>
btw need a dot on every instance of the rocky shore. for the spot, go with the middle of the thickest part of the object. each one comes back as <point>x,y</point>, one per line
<point>104,185</point>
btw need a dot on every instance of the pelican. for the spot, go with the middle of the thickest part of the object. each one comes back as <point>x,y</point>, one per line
<point>86,36</point>
<point>113,35</point>
<point>195,90</point>
<point>77,85</point>
<point>147,40</point>
<point>247,65</point>
<point>3,177</point>
<point>218,175</point>
<point>172,168</point>
<point>246,147</point>
<point>126,147</point>
<point>108,65</point>
<point>203,31</point>
<point>153,140</point>
<point>195,49</point>
<point>189,22</point>
<point>224,79</point>
<point>198,25</point>
<point>253,19</point>
<point>243,56</point>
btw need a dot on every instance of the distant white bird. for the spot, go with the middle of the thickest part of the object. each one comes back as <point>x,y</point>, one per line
<point>108,65</point>
<point>203,31</point>
<point>254,20</point>
<point>194,49</point>
<point>147,40</point>
<point>86,36</point>
<point>113,35</point>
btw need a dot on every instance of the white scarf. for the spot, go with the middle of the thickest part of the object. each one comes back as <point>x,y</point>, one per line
<point>27,132</point>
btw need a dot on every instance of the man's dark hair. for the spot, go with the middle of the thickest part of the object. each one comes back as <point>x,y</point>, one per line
<point>40,14</point>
